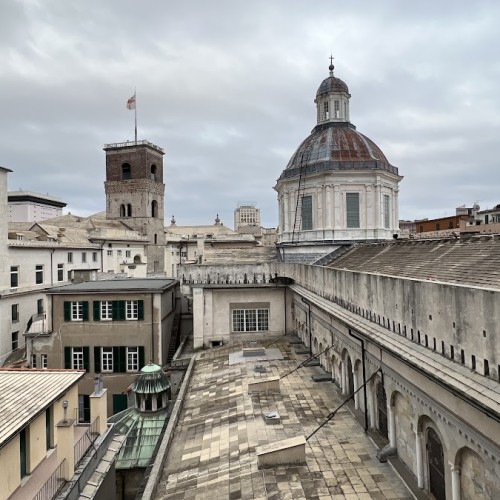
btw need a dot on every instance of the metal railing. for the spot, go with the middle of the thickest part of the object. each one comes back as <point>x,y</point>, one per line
<point>52,486</point>
<point>86,441</point>
<point>132,144</point>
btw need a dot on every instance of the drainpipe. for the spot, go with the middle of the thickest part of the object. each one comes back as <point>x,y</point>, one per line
<point>152,332</point>
<point>308,324</point>
<point>364,375</point>
<point>52,267</point>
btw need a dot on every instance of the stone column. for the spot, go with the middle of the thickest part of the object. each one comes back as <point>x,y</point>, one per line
<point>285,212</point>
<point>66,446</point>
<point>395,209</point>
<point>378,194</point>
<point>356,395</point>
<point>99,408</point>
<point>455,481</point>
<point>392,425</point>
<point>338,212</point>
<point>328,207</point>
<point>420,459</point>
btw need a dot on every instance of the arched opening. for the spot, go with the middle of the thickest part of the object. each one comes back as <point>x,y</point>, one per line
<point>320,349</point>
<point>122,210</point>
<point>382,409</point>
<point>126,172</point>
<point>137,259</point>
<point>156,239</point>
<point>153,172</point>
<point>435,461</point>
<point>129,210</point>
<point>154,208</point>
<point>475,482</point>
<point>315,346</point>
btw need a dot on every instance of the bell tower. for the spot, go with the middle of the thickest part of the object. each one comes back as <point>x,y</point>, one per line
<point>135,194</point>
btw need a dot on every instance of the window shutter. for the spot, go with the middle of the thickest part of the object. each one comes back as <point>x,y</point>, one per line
<point>122,360</point>
<point>140,309</point>
<point>114,309</point>
<point>67,357</point>
<point>97,359</point>
<point>116,359</point>
<point>85,308</point>
<point>97,310</point>
<point>141,357</point>
<point>67,311</point>
<point>86,355</point>
<point>306,213</point>
<point>352,210</point>
<point>119,305</point>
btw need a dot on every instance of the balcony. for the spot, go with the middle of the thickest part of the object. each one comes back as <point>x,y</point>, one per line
<point>48,478</point>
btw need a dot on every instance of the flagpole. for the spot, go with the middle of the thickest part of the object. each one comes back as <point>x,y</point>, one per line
<point>135,113</point>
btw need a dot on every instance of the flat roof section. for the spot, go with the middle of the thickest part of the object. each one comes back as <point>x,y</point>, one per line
<point>116,285</point>
<point>213,452</point>
<point>29,196</point>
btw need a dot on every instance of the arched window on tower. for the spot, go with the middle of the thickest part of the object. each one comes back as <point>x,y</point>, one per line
<point>129,210</point>
<point>156,239</point>
<point>153,172</point>
<point>122,210</point>
<point>154,208</point>
<point>126,172</point>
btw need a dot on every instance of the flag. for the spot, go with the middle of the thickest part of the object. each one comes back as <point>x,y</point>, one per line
<point>131,103</point>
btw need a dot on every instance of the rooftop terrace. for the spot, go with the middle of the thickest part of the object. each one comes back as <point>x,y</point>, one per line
<point>213,452</point>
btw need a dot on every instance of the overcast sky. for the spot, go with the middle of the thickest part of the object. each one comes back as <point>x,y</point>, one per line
<point>227,89</point>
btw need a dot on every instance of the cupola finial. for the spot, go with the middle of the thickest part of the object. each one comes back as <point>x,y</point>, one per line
<point>331,67</point>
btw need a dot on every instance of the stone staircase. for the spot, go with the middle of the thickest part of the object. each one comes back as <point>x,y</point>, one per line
<point>174,338</point>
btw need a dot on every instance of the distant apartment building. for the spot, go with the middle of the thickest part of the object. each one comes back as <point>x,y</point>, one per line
<point>246,214</point>
<point>27,206</point>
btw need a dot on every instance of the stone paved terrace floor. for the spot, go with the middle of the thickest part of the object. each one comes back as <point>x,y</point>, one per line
<point>213,452</point>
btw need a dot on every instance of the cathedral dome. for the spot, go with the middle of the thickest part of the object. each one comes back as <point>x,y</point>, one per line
<point>337,146</point>
<point>332,84</point>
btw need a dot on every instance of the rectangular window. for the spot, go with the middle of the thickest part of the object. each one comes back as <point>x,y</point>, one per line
<point>336,105</point>
<point>106,310</point>
<point>250,320</point>
<point>70,257</point>
<point>15,340</point>
<point>106,359</point>
<point>127,253</point>
<point>306,213</point>
<point>84,257</point>
<point>14,276</point>
<point>76,311</point>
<point>33,361</point>
<point>15,313</point>
<point>60,272</point>
<point>110,252</point>
<point>132,359</point>
<point>387,214</point>
<point>44,361</point>
<point>94,256</point>
<point>39,274</point>
<point>326,115</point>
<point>77,358</point>
<point>352,209</point>
<point>131,309</point>
<point>39,306</point>
<point>119,253</point>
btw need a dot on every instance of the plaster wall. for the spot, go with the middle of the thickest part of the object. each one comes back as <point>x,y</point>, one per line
<point>10,467</point>
<point>212,320</point>
<point>459,316</point>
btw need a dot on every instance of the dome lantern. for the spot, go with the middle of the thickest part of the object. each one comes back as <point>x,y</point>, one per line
<point>332,99</point>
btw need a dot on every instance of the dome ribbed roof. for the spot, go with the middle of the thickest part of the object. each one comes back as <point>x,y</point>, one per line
<point>151,380</point>
<point>332,84</point>
<point>337,146</point>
